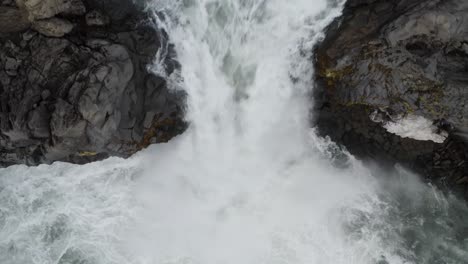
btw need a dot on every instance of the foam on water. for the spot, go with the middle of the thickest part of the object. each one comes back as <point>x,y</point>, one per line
<point>249,182</point>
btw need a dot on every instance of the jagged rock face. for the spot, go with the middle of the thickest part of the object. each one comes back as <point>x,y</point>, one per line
<point>399,58</point>
<point>87,93</point>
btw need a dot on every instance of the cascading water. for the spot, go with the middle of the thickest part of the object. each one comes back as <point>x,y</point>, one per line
<point>249,182</point>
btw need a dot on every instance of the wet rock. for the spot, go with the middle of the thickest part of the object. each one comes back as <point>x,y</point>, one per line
<point>148,121</point>
<point>53,27</point>
<point>83,94</point>
<point>41,9</point>
<point>400,59</point>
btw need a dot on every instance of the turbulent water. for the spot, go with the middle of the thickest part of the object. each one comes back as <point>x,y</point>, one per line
<point>249,182</point>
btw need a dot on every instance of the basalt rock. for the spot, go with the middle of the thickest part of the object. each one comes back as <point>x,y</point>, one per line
<point>397,59</point>
<point>96,18</point>
<point>86,91</point>
<point>53,27</point>
<point>41,9</point>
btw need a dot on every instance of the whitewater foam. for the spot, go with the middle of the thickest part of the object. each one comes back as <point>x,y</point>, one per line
<point>248,182</point>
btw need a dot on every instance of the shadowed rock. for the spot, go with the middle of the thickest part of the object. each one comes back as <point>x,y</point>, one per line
<point>85,93</point>
<point>398,58</point>
<point>13,19</point>
<point>96,18</point>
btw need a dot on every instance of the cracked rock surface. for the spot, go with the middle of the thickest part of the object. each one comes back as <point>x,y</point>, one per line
<point>397,59</point>
<point>85,91</point>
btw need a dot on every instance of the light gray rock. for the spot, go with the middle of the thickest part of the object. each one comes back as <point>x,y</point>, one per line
<point>104,91</point>
<point>53,27</point>
<point>41,9</point>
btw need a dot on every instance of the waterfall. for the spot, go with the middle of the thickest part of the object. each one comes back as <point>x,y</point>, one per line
<point>248,182</point>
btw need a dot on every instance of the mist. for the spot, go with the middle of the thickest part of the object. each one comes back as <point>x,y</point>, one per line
<point>249,181</point>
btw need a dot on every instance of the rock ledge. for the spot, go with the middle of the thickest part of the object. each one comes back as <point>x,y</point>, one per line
<point>75,83</point>
<point>384,64</point>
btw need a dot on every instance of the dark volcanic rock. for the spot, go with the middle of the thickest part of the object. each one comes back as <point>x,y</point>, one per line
<point>90,93</point>
<point>398,58</point>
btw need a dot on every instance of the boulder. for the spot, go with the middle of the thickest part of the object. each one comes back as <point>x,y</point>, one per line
<point>13,19</point>
<point>53,27</point>
<point>41,9</point>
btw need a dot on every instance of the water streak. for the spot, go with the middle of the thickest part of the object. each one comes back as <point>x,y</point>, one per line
<point>249,182</point>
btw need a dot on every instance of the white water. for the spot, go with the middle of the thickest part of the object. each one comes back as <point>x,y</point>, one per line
<point>249,182</point>
<point>416,127</point>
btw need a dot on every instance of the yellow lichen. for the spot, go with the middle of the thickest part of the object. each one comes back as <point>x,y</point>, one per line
<point>87,154</point>
<point>158,131</point>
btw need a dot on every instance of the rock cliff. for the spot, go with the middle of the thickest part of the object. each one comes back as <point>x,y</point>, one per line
<point>393,78</point>
<point>75,81</point>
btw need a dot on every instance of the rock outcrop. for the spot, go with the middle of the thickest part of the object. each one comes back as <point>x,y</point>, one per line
<point>75,82</point>
<point>385,63</point>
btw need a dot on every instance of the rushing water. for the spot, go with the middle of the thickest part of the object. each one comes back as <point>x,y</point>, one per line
<point>249,182</point>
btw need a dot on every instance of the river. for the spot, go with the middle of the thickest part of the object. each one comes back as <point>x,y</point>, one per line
<point>249,182</point>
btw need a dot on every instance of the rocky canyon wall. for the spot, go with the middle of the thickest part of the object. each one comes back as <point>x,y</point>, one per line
<point>76,83</point>
<point>393,81</point>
